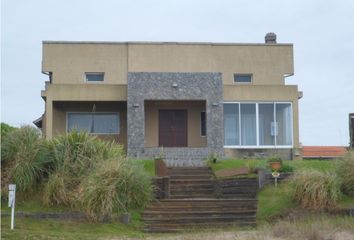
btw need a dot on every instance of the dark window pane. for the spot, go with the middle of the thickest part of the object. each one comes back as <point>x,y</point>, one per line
<point>231,124</point>
<point>203,124</point>
<point>94,77</point>
<point>243,78</point>
<point>98,123</point>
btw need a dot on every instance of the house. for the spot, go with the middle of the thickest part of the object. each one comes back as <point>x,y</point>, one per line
<point>192,99</point>
<point>323,152</point>
<point>351,130</point>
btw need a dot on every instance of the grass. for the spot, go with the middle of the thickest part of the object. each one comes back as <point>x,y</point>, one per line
<point>321,165</point>
<point>273,202</point>
<point>149,165</point>
<point>54,229</point>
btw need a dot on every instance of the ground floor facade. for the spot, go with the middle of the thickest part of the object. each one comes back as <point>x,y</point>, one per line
<point>184,116</point>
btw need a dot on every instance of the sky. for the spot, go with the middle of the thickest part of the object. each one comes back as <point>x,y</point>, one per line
<point>322,33</point>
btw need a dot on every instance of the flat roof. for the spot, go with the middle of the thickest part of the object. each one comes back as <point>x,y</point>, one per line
<point>167,43</point>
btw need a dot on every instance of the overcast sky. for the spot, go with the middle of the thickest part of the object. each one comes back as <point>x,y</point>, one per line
<point>322,33</point>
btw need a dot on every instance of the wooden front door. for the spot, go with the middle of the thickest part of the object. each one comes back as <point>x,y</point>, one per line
<point>173,128</point>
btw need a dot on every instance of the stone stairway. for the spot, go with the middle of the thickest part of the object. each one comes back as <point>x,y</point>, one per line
<point>193,203</point>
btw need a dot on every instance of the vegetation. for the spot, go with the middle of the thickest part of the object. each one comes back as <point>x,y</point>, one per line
<point>5,129</point>
<point>345,172</point>
<point>116,185</point>
<point>24,158</point>
<point>316,190</point>
<point>274,202</point>
<point>73,156</point>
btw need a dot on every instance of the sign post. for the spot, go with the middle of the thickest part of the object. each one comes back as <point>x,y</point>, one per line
<point>12,196</point>
<point>275,176</point>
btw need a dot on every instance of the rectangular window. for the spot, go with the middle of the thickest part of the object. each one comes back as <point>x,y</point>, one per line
<point>258,124</point>
<point>242,78</point>
<point>231,124</point>
<point>94,77</point>
<point>96,123</point>
<point>203,124</point>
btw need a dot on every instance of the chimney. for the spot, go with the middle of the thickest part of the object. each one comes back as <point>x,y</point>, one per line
<point>270,38</point>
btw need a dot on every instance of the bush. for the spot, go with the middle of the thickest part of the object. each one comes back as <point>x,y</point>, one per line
<point>345,172</point>
<point>24,157</point>
<point>286,168</point>
<point>116,185</point>
<point>74,156</point>
<point>316,190</point>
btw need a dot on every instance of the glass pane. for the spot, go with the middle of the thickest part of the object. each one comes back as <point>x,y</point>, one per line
<point>284,122</point>
<point>94,77</point>
<point>231,124</point>
<point>242,78</point>
<point>80,122</point>
<point>202,124</point>
<point>265,121</point>
<point>106,123</point>
<point>248,124</point>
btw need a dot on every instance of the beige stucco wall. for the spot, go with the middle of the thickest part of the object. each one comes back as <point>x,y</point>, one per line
<point>69,61</point>
<point>60,110</point>
<point>194,108</point>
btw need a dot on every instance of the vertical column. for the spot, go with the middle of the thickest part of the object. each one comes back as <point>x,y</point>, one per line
<point>49,118</point>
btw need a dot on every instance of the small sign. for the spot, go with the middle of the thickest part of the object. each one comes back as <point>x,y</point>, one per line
<point>275,174</point>
<point>12,191</point>
<point>12,196</point>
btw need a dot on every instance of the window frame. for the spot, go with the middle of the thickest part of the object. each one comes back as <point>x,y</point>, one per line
<point>108,134</point>
<point>258,146</point>
<point>242,75</point>
<point>94,73</point>
<point>201,125</point>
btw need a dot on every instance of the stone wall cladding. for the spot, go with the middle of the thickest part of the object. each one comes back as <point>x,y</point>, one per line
<point>174,86</point>
<point>285,154</point>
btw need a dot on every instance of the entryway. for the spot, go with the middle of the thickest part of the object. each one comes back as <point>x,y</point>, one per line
<point>173,128</point>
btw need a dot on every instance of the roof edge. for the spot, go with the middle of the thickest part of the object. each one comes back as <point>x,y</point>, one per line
<point>165,43</point>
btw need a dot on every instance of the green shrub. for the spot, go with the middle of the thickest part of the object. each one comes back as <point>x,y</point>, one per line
<point>316,190</point>
<point>286,168</point>
<point>345,172</point>
<point>116,185</point>
<point>74,156</point>
<point>24,157</point>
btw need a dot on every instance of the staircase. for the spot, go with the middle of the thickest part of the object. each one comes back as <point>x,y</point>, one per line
<point>192,203</point>
<point>191,182</point>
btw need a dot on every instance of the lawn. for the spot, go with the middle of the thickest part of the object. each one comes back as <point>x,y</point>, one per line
<point>321,165</point>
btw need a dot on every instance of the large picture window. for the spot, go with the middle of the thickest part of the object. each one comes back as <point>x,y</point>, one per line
<point>258,124</point>
<point>96,123</point>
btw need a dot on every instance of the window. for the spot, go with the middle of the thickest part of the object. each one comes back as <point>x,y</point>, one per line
<point>94,77</point>
<point>242,78</point>
<point>96,123</point>
<point>258,124</point>
<point>202,124</point>
<point>231,124</point>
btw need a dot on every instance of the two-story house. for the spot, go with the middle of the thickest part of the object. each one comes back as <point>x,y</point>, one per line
<point>192,99</point>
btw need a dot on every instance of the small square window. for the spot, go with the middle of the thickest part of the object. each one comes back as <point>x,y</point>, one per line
<point>242,78</point>
<point>94,77</point>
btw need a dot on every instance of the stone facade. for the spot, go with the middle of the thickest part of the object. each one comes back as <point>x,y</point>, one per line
<point>175,86</point>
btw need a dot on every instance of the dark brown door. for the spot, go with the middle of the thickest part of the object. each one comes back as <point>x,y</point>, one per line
<point>173,128</point>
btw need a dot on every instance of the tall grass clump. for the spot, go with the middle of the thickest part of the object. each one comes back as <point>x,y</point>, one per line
<point>345,172</point>
<point>117,185</point>
<point>74,156</point>
<point>24,159</point>
<point>316,190</point>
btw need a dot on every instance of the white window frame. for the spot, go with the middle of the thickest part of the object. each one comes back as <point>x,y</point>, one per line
<point>92,73</point>
<point>275,146</point>
<point>243,74</point>
<point>107,134</point>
